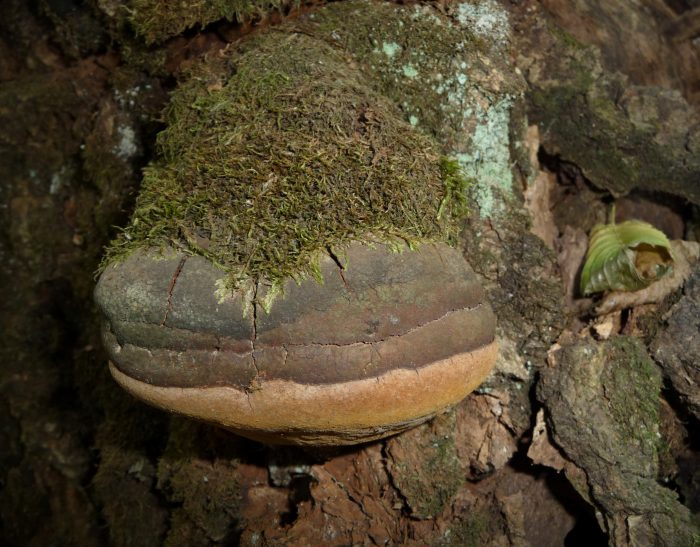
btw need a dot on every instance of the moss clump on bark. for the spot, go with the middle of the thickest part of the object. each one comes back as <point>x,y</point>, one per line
<point>198,475</point>
<point>158,20</point>
<point>624,137</point>
<point>633,396</point>
<point>424,466</point>
<point>281,149</point>
<point>448,73</point>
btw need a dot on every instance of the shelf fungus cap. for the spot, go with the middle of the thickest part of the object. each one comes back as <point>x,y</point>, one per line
<point>387,341</point>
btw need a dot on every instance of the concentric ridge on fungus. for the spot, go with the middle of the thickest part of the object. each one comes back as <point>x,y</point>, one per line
<point>283,176</point>
<point>385,346</point>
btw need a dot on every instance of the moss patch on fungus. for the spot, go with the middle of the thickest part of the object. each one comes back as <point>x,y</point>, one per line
<point>431,66</point>
<point>281,149</point>
<point>158,20</point>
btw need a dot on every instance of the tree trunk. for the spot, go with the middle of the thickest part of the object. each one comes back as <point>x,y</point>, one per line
<point>585,433</point>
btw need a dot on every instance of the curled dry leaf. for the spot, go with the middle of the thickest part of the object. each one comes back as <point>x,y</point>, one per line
<point>685,254</point>
<point>625,257</point>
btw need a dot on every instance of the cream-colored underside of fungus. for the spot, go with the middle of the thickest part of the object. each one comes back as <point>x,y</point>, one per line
<point>287,412</point>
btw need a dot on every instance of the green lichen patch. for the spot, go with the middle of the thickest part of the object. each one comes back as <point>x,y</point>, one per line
<point>279,150</point>
<point>158,20</point>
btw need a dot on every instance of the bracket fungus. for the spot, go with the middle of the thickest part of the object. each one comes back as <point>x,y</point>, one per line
<point>379,347</point>
<point>286,272</point>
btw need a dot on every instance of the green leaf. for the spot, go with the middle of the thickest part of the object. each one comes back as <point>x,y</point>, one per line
<point>625,257</point>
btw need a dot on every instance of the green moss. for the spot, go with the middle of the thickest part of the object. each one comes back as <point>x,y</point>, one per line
<point>456,189</point>
<point>467,531</point>
<point>593,136</point>
<point>623,137</point>
<point>632,386</point>
<point>152,61</point>
<point>425,467</point>
<point>268,158</point>
<point>199,477</point>
<point>157,20</point>
<point>447,73</point>
<point>565,36</point>
<point>431,66</point>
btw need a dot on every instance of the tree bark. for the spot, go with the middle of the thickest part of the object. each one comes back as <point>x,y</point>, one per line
<point>575,437</point>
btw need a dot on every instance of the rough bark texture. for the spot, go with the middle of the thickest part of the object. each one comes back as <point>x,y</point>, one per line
<point>623,136</point>
<point>678,351</point>
<point>82,463</point>
<point>602,401</point>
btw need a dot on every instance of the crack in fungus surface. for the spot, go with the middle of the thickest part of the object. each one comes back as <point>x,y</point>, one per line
<point>255,331</point>
<point>287,345</point>
<point>171,288</point>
